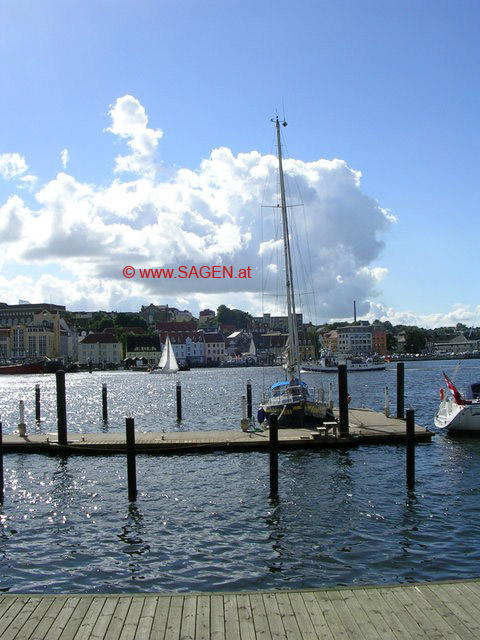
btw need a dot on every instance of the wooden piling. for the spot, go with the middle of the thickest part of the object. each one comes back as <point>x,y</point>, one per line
<point>1,463</point>
<point>131,463</point>
<point>37,402</point>
<point>410,448</point>
<point>104,402</point>
<point>343,399</point>
<point>249,399</point>
<point>400,390</point>
<point>179,401</point>
<point>273,430</point>
<point>61,407</point>
<point>387,403</point>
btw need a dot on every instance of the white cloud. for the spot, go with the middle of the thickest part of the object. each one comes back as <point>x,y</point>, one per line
<point>129,121</point>
<point>64,157</point>
<point>12,165</point>
<point>208,216</point>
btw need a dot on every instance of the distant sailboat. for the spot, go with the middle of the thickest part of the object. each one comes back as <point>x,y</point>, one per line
<point>168,362</point>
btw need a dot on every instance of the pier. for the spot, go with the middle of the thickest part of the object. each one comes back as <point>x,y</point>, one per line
<point>365,427</point>
<point>444,611</point>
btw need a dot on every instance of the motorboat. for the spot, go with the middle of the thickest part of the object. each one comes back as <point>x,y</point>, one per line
<point>329,364</point>
<point>459,412</point>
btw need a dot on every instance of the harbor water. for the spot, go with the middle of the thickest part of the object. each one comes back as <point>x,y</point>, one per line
<point>205,522</point>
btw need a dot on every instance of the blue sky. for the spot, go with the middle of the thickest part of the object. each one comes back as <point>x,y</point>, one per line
<point>382,102</point>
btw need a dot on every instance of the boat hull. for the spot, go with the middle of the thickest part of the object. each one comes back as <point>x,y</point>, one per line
<point>20,369</point>
<point>456,418</point>
<point>297,414</point>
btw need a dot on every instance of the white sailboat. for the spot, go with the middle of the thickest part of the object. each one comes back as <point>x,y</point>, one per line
<point>168,362</point>
<point>290,399</point>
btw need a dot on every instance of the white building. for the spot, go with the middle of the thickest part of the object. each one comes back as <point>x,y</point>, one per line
<point>99,348</point>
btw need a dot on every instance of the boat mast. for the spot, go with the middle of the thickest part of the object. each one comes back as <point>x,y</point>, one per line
<point>294,355</point>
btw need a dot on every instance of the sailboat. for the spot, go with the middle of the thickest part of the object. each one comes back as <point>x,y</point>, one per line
<point>290,399</point>
<point>168,362</point>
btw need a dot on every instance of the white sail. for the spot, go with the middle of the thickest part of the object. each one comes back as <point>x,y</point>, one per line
<point>168,362</point>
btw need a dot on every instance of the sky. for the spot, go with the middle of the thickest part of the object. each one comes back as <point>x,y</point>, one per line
<point>138,133</point>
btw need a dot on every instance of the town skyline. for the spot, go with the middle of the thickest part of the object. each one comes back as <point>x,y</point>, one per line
<point>118,154</point>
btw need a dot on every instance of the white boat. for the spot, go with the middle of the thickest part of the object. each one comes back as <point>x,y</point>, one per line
<point>329,364</point>
<point>290,400</point>
<point>459,412</point>
<point>168,362</point>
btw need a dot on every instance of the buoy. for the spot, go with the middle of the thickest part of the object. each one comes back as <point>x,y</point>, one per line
<point>261,415</point>
<point>349,398</point>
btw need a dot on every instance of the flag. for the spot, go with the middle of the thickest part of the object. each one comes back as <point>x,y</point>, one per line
<point>456,393</point>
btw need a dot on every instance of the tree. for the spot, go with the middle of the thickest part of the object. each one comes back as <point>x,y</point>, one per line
<point>414,340</point>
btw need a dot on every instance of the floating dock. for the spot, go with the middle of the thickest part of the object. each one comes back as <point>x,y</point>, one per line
<point>365,427</point>
<point>444,611</point>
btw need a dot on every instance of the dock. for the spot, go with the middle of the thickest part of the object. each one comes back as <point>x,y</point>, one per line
<point>365,427</point>
<point>444,611</point>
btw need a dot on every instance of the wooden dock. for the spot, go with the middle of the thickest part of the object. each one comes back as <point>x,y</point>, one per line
<point>365,427</point>
<point>444,611</point>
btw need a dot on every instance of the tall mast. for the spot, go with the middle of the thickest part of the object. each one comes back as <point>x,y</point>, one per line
<point>294,356</point>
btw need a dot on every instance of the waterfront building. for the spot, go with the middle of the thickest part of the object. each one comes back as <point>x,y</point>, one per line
<point>456,345</point>
<point>146,348</point>
<point>205,317</point>
<point>188,346</point>
<point>5,345</point>
<point>12,314</point>
<point>39,338</point>
<point>330,341</point>
<point>214,347</point>
<point>359,340</point>
<point>99,348</point>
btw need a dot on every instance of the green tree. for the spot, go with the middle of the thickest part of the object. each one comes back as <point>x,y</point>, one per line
<point>414,340</point>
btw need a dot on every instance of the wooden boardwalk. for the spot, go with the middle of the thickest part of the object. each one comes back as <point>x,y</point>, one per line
<point>366,427</point>
<point>438,611</point>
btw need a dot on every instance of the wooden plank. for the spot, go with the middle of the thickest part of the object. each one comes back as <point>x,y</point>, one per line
<point>76,618</point>
<point>232,625</point>
<point>387,626</point>
<point>217,617</point>
<point>172,631</point>
<point>356,605</point>
<point>16,624</point>
<point>302,617</point>
<point>410,628</point>
<point>352,628</point>
<point>62,619</point>
<point>35,617</point>
<point>260,621</point>
<point>104,618</point>
<point>11,612</point>
<point>160,620</point>
<point>412,598</point>
<point>145,622</point>
<point>48,619</point>
<point>462,616</point>
<point>287,614</point>
<point>189,618</point>
<point>132,618</point>
<point>274,617</point>
<point>316,615</point>
<point>91,615</point>
<point>245,617</point>
<point>334,622</point>
<point>202,624</point>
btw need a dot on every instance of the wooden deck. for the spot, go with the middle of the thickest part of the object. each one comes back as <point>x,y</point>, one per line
<point>423,611</point>
<point>366,427</point>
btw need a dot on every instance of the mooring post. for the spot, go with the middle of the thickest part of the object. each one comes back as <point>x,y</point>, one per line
<point>61,407</point>
<point>90,366</point>
<point>273,429</point>
<point>343,399</point>
<point>410,448</point>
<point>249,399</point>
<point>179,400</point>
<point>400,390</point>
<point>330,395</point>
<point>22,427</point>
<point>37,402</point>
<point>387,404</point>
<point>1,462</point>
<point>104,402</point>
<point>131,463</point>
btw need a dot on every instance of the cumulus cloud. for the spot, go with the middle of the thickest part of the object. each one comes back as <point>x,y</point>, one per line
<point>210,216</point>
<point>129,121</point>
<point>12,165</point>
